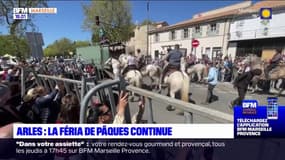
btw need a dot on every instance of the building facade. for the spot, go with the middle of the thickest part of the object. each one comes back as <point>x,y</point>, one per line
<point>250,34</point>
<point>211,29</point>
<point>139,39</point>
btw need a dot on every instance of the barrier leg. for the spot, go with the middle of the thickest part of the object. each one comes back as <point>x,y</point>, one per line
<point>112,101</point>
<point>150,111</point>
<point>66,86</point>
<point>23,78</point>
<point>83,87</point>
<point>46,85</point>
<point>50,84</point>
<point>77,92</point>
<point>188,117</point>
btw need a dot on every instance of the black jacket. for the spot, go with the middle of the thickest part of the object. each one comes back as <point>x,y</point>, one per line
<point>244,79</point>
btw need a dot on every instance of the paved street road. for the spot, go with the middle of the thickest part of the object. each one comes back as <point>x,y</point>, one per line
<point>223,90</point>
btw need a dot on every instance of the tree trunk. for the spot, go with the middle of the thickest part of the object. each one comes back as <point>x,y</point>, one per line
<point>13,33</point>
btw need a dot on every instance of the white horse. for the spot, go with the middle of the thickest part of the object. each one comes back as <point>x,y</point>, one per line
<point>123,59</point>
<point>133,77</point>
<point>199,69</point>
<point>153,72</point>
<point>178,81</point>
<point>115,65</point>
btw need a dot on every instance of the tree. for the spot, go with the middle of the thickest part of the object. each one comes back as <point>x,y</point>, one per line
<point>18,26</point>
<point>63,47</point>
<point>59,47</point>
<point>114,16</point>
<point>8,46</point>
<point>81,44</point>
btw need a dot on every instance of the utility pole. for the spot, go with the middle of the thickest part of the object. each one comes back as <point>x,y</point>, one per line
<point>147,38</point>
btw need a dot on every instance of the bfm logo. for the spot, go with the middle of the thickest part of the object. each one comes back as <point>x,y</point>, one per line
<point>20,13</point>
<point>249,107</point>
<point>20,10</point>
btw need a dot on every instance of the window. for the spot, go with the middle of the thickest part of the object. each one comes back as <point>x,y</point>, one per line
<point>198,29</point>
<point>156,37</point>
<point>197,32</point>
<point>133,34</point>
<point>185,33</point>
<point>156,53</point>
<point>213,27</point>
<point>172,35</point>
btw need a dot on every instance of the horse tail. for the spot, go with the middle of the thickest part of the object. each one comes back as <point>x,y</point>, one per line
<point>138,79</point>
<point>185,88</point>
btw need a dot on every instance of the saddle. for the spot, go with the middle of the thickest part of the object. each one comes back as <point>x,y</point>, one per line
<point>171,69</point>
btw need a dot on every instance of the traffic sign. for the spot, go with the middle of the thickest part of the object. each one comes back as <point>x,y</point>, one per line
<point>195,43</point>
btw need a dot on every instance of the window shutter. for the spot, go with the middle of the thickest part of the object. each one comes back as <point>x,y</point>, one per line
<point>170,35</point>
<point>182,34</point>
<point>217,28</point>
<point>208,29</point>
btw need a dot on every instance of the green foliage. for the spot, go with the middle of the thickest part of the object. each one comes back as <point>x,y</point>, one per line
<point>63,47</point>
<point>8,46</point>
<point>115,18</point>
<point>81,44</point>
<point>18,27</point>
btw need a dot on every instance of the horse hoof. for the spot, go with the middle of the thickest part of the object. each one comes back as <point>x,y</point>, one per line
<point>192,101</point>
<point>170,108</point>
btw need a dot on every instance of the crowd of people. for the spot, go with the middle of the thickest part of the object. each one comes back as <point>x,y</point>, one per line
<point>40,105</point>
<point>57,105</point>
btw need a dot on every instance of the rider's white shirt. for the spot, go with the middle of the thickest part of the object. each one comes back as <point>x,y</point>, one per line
<point>247,69</point>
<point>131,60</point>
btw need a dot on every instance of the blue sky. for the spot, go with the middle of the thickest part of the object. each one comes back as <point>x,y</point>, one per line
<point>69,18</point>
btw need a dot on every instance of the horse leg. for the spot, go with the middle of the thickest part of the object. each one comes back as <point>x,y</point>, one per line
<point>170,107</point>
<point>157,83</point>
<point>151,83</point>
<point>199,77</point>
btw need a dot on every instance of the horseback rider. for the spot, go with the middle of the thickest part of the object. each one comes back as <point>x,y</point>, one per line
<point>174,60</point>
<point>132,63</point>
<point>155,61</point>
<point>273,63</point>
<point>191,59</point>
<point>140,59</point>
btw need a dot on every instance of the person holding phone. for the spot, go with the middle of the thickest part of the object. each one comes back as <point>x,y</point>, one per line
<point>101,112</point>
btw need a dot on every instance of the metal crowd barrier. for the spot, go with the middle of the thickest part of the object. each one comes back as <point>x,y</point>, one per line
<point>49,82</point>
<point>189,109</point>
<point>95,88</point>
<point>120,83</point>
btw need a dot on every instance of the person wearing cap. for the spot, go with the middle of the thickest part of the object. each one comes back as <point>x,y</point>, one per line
<point>241,83</point>
<point>174,59</point>
<point>212,82</point>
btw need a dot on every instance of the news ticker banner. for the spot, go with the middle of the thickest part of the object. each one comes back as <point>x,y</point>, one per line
<point>123,131</point>
<point>252,120</point>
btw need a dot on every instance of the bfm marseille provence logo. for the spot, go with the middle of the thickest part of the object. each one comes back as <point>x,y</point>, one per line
<point>249,107</point>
